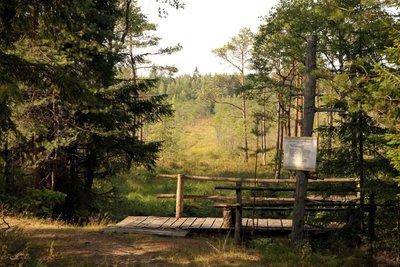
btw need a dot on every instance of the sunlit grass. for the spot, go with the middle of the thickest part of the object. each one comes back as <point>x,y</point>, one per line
<point>196,152</point>
<point>43,242</point>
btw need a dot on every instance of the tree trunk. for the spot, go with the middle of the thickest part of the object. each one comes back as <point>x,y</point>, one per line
<point>73,192</point>
<point>277,145</point>
<point>34,25</point>
<point>289,126</point>
<point>7,168</point>
<point>244,117</point>
<point>264,133</point>
<point>330,134</point>
<point>297,120</point>
<point>361,166</point>
<point>281,146</point>
<point>54,170</point>
<point>140,128</point>
<point>259,125</point>
<point>90,168</point>
<point>309,110</point>
<point>37,170</point>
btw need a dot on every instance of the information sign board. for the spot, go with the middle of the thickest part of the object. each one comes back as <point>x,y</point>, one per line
<point>300,153</point>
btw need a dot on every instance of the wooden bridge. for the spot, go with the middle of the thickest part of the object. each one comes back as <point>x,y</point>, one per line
<point>231,218</point>
<point>180,227</point>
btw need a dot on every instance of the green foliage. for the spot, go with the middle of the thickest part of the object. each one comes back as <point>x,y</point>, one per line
<point>345,146</point>
<point>277,252</point>
<point>35,202</point>
<point>130,194</point>
<point>237,51</point>
<point>70,116</point>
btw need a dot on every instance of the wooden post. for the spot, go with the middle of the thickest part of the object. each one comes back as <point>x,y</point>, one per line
<point>238,215</point>
<point>179,196</point>
<point>307,129</point>
<point>229,217</point>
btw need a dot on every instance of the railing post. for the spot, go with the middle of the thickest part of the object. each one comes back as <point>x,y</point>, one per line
<point>179,196</point>
<point>238,215</point>
<point>358,189</point>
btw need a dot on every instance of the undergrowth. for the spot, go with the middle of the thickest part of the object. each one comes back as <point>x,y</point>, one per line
<point>278,252</point>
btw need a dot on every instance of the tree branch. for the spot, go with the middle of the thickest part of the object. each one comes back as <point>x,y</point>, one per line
<point>128,3</point>
<point>228,103</point>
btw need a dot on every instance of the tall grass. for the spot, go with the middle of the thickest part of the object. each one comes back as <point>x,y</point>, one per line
<point>194,145</point>
<point>278,252</point>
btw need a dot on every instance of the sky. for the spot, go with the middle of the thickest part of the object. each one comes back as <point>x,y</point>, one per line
<point>202,26</point>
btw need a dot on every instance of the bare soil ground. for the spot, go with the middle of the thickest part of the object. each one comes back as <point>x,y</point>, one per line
<point>56,244</point>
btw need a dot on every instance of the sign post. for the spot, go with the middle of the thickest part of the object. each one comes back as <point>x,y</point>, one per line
<point>306,131</point>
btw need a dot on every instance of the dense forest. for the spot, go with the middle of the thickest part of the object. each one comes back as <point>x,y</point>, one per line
<point>84,130</point>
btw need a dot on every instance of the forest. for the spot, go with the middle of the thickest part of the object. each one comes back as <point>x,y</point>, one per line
<point>88,122</point>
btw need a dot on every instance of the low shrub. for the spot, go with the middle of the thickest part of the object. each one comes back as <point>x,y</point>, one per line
<point>279,252</point>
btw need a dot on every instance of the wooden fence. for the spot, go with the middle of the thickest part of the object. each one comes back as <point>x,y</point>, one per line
<point>268,203</point>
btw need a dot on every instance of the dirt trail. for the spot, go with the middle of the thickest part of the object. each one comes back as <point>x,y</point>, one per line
<point>62,245</point>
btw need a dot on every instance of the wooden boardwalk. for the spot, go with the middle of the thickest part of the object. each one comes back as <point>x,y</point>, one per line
<point>171,226</point>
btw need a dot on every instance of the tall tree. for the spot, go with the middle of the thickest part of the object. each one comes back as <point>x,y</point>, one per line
<point>351,36</point>
<point>237,53</point>
<point>71,116</point>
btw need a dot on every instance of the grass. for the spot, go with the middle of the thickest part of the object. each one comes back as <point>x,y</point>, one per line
<point>196,151</point>
<point>50,243</point>
<point>34,242</point>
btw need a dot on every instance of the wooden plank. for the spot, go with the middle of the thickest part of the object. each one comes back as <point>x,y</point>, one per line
<point>262,224</point>
<point>129,220</point>
<point>217,223</point>
<point>141,223</point>
<point>197,223</point>
<point>188,223</point>
<point>252,223</point>
<point>229,179</point>
<point>286,224</point>
<point>286,200</point>
<point>276,189</point>
<point>212,197</point>
<point>169,222</point>
<point>173,233</point>
<point>245,222</point>
<point>125,221</point>
<point>136,221</point>
<point>208,223</point>
<point>274,224</point>
<point>157,222</point>
<point>178,222</point>
<point>338,198</point>
<point>259,180</point>
<point>146,222</point>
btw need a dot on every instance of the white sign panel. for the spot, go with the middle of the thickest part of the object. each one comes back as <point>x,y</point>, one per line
<point>300,153</point>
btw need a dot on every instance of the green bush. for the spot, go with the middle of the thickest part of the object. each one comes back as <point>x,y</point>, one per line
<point>36,202</point>
<point>278,252</point>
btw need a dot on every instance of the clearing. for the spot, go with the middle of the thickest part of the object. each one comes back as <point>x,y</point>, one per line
<point>56,244</point>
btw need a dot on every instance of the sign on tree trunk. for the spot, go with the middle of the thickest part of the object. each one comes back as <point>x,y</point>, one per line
<point>300,153</point>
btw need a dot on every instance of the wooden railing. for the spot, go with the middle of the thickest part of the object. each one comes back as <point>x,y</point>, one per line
<point>180,196</point>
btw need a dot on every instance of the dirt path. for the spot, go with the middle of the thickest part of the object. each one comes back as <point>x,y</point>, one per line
<point>54,244</point>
